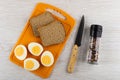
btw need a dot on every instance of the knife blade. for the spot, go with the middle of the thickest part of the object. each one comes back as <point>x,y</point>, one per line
<point>77,44</point>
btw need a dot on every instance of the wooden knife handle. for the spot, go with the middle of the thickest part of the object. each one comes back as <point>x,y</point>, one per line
<point>73,59</point>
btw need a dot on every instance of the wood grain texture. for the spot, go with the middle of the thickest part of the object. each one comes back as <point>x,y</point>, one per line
<point>73,59</point>
<point>15,13</point>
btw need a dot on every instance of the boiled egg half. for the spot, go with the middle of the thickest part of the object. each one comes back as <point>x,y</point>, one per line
<point>35,48</point>
<point>47,59</point>
<point>31,64</point>
<point>20,52</point>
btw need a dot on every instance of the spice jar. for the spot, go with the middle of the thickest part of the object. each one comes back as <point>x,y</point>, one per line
<point>95,35</point>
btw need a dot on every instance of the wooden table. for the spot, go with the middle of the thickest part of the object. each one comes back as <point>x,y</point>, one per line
<point>15,13</point>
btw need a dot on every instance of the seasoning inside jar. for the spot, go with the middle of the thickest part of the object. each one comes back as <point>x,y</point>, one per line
<point>95,35</point>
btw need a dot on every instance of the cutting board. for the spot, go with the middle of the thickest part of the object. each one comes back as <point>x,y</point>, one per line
<point>27,36</point>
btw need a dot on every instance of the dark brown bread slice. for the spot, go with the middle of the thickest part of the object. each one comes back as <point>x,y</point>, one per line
<point>40,20</point>
<point>52,33</point>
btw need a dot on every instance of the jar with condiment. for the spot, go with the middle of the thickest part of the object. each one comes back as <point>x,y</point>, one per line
<point>95,35</point>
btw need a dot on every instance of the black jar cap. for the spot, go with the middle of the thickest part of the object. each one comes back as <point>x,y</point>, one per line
<point>96,30</point>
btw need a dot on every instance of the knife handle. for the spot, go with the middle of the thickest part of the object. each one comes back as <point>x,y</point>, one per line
<point>73,59</point>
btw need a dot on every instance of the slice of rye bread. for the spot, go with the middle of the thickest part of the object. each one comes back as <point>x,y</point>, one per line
<point>53,33</point>
<point>41,20</point>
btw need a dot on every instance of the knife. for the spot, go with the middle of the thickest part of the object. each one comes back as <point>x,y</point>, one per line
<point>77,44</point>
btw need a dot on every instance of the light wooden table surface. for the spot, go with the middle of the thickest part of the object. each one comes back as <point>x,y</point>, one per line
<point>15,13</point>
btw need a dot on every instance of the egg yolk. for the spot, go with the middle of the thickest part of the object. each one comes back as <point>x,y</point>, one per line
<point>19,51</point>
<point>29,64</point>
<point>46,60</point>
<point>36,50</point>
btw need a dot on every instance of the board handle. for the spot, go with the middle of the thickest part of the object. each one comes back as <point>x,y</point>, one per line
<point>65,17</point>
<point>73,59</point>
<point>56,13</point>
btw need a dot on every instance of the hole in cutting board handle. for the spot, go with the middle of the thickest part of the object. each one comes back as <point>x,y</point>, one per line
<point>56,13</point>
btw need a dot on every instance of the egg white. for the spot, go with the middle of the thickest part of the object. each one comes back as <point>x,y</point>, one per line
<point>24,54</point>
<point>36,64</point>
<point>51,56</point>
<point>31,45</point>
